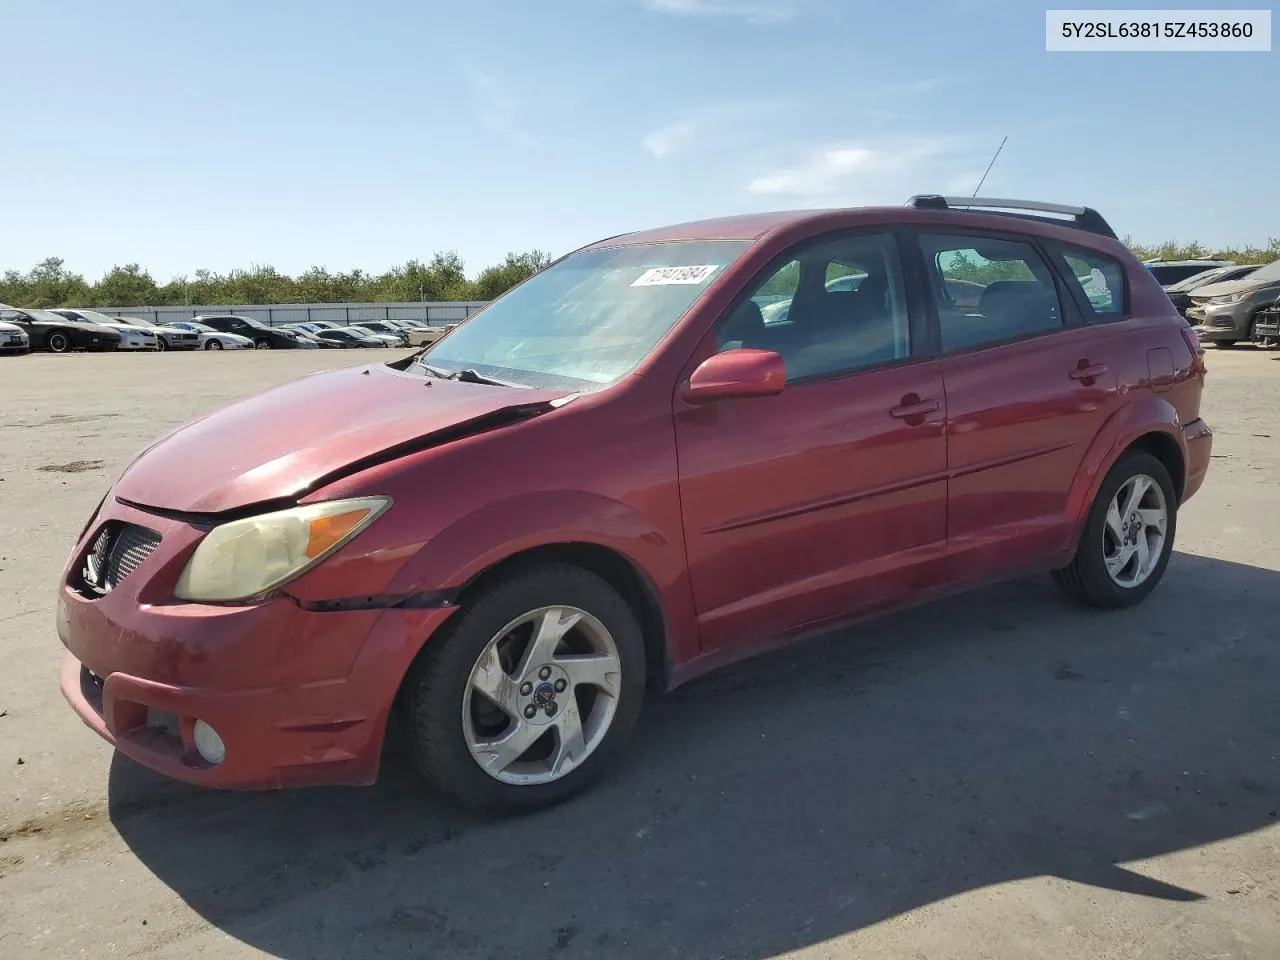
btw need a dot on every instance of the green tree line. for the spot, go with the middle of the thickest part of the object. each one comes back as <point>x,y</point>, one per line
<point>51,284</point>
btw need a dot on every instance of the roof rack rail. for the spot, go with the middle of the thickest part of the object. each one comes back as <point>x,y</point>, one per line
<point>1082,218</point>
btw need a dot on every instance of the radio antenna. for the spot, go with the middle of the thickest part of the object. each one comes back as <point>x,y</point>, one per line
<point>989,166</point>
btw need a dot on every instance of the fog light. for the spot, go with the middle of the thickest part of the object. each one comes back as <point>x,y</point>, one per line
<point>208,744</point>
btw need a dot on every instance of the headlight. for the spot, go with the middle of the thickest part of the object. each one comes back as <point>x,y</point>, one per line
<point>1229,298</point>
<point>246,558</point>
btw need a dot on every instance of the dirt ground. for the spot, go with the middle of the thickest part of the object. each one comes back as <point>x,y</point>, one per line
<point>999,775</point>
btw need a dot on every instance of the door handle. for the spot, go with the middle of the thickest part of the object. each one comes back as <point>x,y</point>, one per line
<point>1090,372</point>
<point>917,408</point>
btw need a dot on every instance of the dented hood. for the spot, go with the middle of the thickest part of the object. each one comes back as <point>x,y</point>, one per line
<point>290,439</point>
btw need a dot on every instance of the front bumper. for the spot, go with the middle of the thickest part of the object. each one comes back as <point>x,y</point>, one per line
<point>299,697</point>
<point>1221,321</point>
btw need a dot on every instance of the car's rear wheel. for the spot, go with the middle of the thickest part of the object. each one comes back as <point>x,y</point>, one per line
<point>529,690</point>
<point>262,343</point>
<point>59,342</point>
<point>213,345</point>
<point>1127,537</point>
<point>162,344</point>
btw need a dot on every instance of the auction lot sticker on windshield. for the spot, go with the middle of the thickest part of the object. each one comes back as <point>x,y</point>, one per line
<point>663,276</point>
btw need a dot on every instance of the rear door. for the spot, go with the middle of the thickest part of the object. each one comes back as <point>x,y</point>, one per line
<point>829,497</point>
<point>1028,386</point>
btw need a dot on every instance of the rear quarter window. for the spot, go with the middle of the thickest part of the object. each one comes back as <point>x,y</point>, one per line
<point>1100,279</point>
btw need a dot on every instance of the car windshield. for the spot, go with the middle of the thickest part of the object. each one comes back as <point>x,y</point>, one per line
<point>1270,272</point>
<point>588,320</point>
<point>1197,279</point>
<point>96,317</point>
<point>45,316</point>
<point>190,325</point>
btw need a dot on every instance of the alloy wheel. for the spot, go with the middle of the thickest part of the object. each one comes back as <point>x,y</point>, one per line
<point>541,696</point>
<point>1136,524</point>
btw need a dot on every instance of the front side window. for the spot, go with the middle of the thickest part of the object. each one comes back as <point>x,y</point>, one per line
<point>988,290</point>
<point>836,306</point>
<point>588,320</point>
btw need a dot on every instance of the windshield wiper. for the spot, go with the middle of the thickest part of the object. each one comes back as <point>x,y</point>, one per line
<point>466,375</point>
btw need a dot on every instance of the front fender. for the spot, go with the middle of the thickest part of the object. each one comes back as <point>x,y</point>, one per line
<point>1146,413</point>
<point>464,549</point>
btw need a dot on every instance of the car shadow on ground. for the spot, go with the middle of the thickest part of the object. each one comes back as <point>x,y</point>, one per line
<point>795,798</point>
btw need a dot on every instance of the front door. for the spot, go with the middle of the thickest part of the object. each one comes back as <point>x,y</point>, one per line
<point>1028,387</point>
<point>829,497</point>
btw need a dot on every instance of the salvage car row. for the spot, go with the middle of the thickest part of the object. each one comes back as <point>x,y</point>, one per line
<point>64,329</point>
<point>1225,302</point>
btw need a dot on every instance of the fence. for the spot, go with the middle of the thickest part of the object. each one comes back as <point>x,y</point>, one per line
<point>278,314</point>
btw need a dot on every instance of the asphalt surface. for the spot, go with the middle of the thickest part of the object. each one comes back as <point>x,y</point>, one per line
<point>997,775</point>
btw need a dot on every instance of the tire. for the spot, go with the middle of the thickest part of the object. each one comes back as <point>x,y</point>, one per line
<point>59,342</point>
<point>1225,344</point>
<point>438,690</point>
<point>213,345</point>
<point>162,343</point>
<point>1087,579</point>
<point>262,343</point>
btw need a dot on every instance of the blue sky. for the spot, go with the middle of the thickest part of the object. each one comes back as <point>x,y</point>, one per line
<point>342,134</point>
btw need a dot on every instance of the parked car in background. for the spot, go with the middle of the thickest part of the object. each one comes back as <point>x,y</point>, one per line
<point>1168,272</point>
<point>368,547</point>
<point>399,337</point>
<point>1266,326</point>
<point>1180,292</point>
<point>211,339</point>
<point>1222,313</point>
<point>418,335</point>
<point>345,337</point>
<point>263,336</point>
<point>49,331</point>
<point>388,339</point>
<point>132,337</point>
<point>13,339</point>
<point>307,335</point>
<point>170,336</point>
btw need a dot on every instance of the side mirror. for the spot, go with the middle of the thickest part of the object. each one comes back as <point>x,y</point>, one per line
<point>736,373</point>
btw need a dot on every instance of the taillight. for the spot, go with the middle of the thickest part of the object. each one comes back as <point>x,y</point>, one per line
<point>1197,351</point>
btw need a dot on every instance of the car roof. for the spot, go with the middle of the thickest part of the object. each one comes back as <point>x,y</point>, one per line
<point>984,214</point>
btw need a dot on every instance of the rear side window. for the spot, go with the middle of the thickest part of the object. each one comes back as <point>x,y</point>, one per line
<point>1100,279</point>
<point>988,290</point>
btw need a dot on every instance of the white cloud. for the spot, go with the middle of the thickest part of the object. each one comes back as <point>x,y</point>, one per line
<point>667,140</point>
<point>753,11</point>
<point>495,106</point>
<point>713,127</point>
<point>864,172</point>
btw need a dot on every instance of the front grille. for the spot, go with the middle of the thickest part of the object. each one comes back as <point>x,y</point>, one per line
<point>120,548</point>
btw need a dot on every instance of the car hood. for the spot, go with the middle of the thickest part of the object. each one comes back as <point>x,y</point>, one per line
<point>294,438</point>
<point>10,328</point>
<point>1243,285</point>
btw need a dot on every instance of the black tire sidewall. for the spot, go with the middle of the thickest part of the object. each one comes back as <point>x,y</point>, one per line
<point>1090,565</point>
<point>444,669</point>
<point>59,342</point>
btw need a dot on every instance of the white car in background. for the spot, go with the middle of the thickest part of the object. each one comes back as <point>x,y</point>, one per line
<point>211,339</point>
<point>13,339</point>
<point>132,336</point>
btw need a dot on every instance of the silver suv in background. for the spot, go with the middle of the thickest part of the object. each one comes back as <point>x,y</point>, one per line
<point>1223,313</point>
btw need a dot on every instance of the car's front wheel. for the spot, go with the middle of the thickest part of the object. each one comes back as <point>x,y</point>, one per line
<point>1128,536</point>
<point>262,343</point>
<point>213,345</point>
<point>162,344</point>
<point>528,691</point>
<point>59,342</point>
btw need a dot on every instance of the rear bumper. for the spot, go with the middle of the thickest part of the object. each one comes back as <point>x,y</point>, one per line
<point>1199,444</point>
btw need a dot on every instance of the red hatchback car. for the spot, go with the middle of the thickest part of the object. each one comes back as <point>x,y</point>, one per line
<point>666,451</point>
